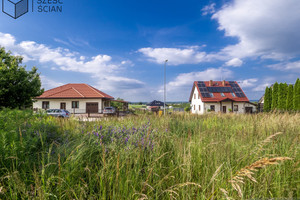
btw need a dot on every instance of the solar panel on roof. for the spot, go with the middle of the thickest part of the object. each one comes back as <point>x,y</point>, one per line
<point>219,89</point>
<point>236,88</point>
<point>203,89</point>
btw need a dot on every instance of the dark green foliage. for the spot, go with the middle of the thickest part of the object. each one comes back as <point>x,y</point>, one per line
<point>187,109</point>
<point>297,95</point>
<point>275,96</point>
<point>267,103</point>
<point>290,98</point>
<point>17,86</point>
<point>282,96</point>
<point>117,105</point>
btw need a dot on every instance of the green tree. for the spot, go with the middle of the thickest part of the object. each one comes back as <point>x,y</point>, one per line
<point>282,96</point>
<point>17,86</point>
<point>297,95</point>
<point>290,98</point>
<point>267,103</point>
<point>275,96</point>
<point>117,105</point>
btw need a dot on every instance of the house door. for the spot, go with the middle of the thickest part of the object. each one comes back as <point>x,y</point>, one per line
<point>63,106</point>
<point>224,109</point>
<point>248,109</point>
<point>92,107</point>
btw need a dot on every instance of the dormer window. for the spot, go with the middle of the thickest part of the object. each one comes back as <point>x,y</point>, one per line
<point>211,94</point>
<point>232,94</point>
<point>222,94</point>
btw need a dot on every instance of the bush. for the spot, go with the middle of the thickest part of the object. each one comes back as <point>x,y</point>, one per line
<point>187,109</point>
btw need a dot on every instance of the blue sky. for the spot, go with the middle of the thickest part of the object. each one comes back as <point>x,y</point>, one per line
<point>120,46</point>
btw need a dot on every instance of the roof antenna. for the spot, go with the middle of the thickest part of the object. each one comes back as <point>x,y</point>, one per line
<point>221,74</point>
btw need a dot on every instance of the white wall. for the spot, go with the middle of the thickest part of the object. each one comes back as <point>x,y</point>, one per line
<point>196,102</point>
<point>55,104</point>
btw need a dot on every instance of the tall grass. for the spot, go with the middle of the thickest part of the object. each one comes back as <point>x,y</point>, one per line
<point>146,157</point>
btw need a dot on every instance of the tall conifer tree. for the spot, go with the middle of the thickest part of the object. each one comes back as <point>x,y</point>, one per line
<point>282,95</point>
<point>290,98</point>
<point>297,95</point>
<point>275,96</point>
<point>267,100</point>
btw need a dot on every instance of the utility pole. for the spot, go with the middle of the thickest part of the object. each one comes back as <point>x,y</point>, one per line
<point>165,90</point>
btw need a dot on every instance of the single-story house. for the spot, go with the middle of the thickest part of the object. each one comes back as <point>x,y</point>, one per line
<point>155,104</point>
<point>76,98</point>
<point>219,96</point>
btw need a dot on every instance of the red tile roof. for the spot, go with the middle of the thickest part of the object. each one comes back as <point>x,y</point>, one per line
<point>74,91</point>
<point>217,97</point>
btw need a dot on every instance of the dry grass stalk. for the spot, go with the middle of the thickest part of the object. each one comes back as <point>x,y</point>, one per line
<point>225,194</point>
<point>266,141</point>
<point>248,171</point>
<point>175,188</point>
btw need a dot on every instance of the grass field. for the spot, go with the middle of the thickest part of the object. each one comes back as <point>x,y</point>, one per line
<point>135,106</point>
<point>145,157</point>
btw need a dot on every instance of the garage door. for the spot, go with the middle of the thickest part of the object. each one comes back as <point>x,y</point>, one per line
<point>91,107</point>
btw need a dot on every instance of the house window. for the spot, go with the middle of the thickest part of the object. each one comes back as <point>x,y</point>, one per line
<point>199,107</point>
<point>212,107</point>
<point>194,107</point>
<point>235,108</point>
<point>75,104</point>
<point>194,96</point>
<point>198,96</point>
<point>222,94</point>
<point>232,94</point>
<point>211,94</point>
<point>45,104</point>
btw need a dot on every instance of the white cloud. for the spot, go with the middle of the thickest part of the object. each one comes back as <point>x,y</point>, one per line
<point>265,28</point>
<point>175,56</point>
<point>107,73</point>
<point>209,9</point>
<point>181,86</point>
<point>48,83</point>
<point>179,56</point>
<point>263,83</point>
<point>235,62</point>
<point>290,66</point>
<point>248,82</point>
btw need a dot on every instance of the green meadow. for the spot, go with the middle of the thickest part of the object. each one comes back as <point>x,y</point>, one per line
<point>181,156</point>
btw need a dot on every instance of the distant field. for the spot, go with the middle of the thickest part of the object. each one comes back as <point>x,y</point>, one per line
<point>134,106</point>
<point>182,156</point>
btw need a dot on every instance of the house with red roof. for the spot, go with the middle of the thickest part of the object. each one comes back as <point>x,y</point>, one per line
<point>219,96</point>
<point>76,98</point>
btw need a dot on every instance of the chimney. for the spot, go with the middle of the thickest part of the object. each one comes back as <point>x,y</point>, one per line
<point>210,83</point>
<point>223,83</point>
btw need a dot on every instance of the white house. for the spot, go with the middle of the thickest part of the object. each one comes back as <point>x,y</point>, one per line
<point>76,98</point>
<point>219,96</point>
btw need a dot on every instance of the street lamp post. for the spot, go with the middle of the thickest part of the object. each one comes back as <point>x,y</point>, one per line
<point>165,91</point>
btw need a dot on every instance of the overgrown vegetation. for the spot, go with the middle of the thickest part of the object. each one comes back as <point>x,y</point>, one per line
<point>145,157</point>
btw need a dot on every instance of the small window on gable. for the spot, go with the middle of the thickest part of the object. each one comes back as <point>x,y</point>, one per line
<point>222,94</point>
<point>199,107</point>
<point>194,96</point>
<point>211,94</point>
<point>194,107</point>
<point>198,96</point>
<point>232,94</point>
